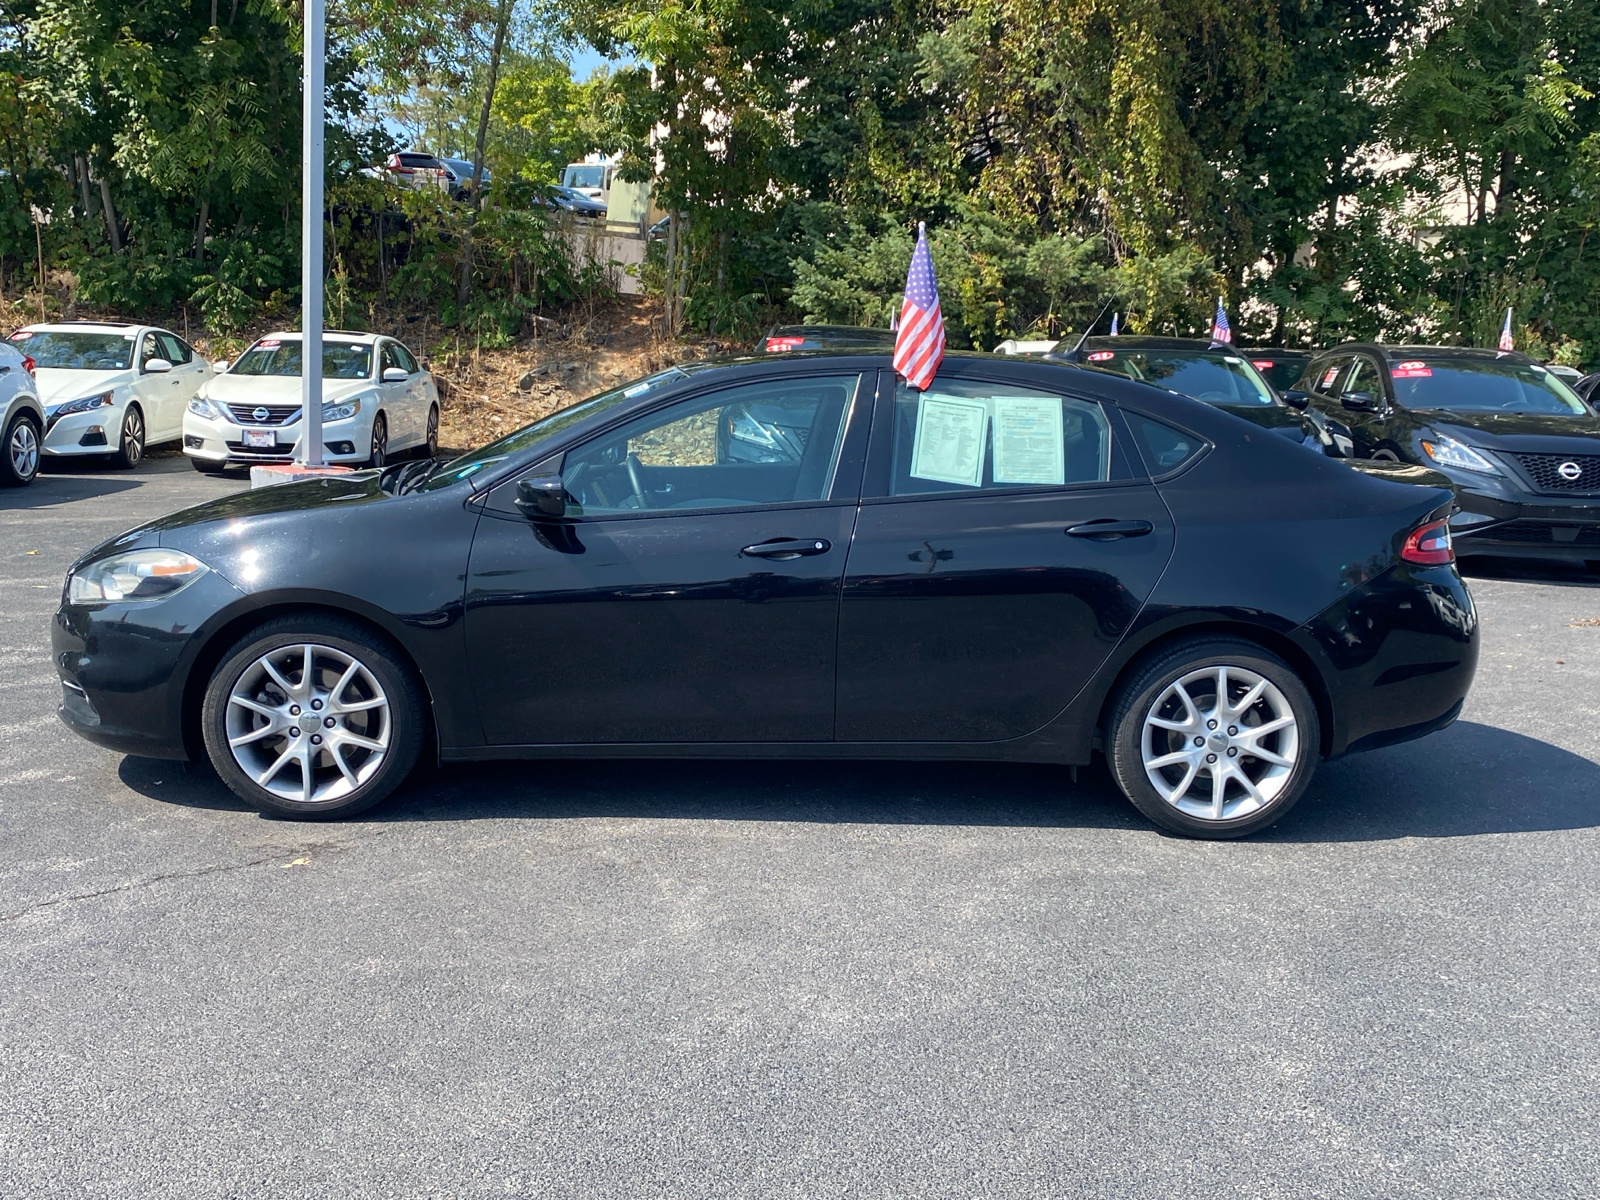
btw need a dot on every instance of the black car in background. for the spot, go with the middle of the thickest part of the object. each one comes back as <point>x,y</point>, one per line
<point>795,556</point>
<point>1209,371</point>
<point>1279,367</point>
<point>556,198</point>
<point>1521,448</point>
<point>785,339</point>
<point>1587,386</point>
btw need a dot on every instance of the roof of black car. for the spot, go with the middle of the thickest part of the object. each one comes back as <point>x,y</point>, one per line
<point>1135,341</point>
<point>1486,353</point>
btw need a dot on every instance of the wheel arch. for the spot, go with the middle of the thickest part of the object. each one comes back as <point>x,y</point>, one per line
<point>229,632</point>
<point>1299,659</point>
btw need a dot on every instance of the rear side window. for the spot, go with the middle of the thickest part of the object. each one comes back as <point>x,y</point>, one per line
<point>1323,377</point>
<point>174,349</point>
<point>1163,447</point>
<point>967,436</point>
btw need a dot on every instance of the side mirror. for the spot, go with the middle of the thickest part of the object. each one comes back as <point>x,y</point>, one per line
<point>1295,398</point>
<point>1359,401</point>
<point>541,497</point>
<point>157,366</point>
<point>220,365</point>
<point>395,375</point>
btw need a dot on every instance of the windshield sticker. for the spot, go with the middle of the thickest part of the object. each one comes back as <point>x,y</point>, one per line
<point>1028,440</point>
<point>1327,377</point>
<point>1411,370</point>
<point>1102,355</point>
<point>1540,369</point>
<point>268,344</point>
<point>21,335</point>
<point>1261,364</point>
<point>949,442</point>
<point>1230,358</point>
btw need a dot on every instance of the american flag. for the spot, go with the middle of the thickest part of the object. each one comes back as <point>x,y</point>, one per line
<point>1507,342</point>
<point>919,340</point>
<point>1221,331</point>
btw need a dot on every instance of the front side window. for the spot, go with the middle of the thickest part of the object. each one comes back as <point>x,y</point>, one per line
<point>1363,377</point>
<point>1482,385</point>
<point>76,351</point>
<point>773,442</point>
<point>150,348</point>
<point>281,356</point>
<point>1323,377</point>
<point>969,436</point>
<point>404,358</point>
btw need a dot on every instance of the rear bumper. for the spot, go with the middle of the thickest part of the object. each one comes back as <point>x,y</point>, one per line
<point>1554,527</point>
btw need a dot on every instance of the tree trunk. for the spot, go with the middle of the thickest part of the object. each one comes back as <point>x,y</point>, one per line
<point>502,22</point>
<point>111,217</point>
<point>200,231</point>
<point>83,184</point>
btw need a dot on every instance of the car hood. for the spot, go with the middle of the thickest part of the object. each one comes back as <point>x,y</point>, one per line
<point>1530,433</point>
<point>57,386</point>
<point>275,389</point>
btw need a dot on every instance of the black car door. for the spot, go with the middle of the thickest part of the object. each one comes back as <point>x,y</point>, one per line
<point>1364,407</point>
<point>691,593</point>
<point>1005,543</point>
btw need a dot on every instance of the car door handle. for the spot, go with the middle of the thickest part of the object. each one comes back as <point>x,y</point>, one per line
<point>788,548</point>
<point>1108,530</point>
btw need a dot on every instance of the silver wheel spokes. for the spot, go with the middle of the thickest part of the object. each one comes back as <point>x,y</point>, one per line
<point>24,450</point>
<point>308,723</point>
<point>1220,743</point>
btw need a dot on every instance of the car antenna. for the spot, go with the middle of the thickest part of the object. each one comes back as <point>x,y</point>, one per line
<point>1092,324</point>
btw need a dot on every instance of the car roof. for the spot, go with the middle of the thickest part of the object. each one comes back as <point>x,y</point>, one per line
<point>344,335</point>
<point>85,327</point>
<point>1480,353</point>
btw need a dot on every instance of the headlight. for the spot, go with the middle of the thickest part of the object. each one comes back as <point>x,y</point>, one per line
<point>136,575</point>
<point>201,407</point>
<point>103,400</point>
<point>1448,452</point>
<point>342,411</point>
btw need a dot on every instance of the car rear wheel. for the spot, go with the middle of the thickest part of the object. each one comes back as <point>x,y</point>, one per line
<point>431,442</point>
<point>19,462</point>
<point>130,445</point>
<point>1214,738</point>
<point>380,442</point>
<point>312,718</point>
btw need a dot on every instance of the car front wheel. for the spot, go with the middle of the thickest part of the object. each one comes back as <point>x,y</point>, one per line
<point>130,445</point>
<point>1214,738</point>
<point>312,718</point>
<point>20,461</point>
<point>380,442</point>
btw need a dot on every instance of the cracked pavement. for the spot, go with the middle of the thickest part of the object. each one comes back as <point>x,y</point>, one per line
<point>798,979</point>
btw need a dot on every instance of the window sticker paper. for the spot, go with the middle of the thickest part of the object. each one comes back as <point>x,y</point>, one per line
<point>1028,441</point>
<point>1410,370</point>
<point>1327,378</point>
<point>949,442</point>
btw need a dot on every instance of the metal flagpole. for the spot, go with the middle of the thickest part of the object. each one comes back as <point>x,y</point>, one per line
<point>311,238</point>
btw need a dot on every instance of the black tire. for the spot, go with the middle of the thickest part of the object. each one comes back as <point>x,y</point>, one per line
<point>430,441</point>
<point>1146,697</point>
<point>20,452</point>
<point>131,439</point>
<point>380,442</point>
<point>331,638</point>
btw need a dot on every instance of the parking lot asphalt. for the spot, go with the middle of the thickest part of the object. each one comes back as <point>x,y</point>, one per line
<point>798,979</point>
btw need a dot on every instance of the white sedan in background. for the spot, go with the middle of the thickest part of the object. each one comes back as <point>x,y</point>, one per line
<point>376,400</point>
<point>110,390</point>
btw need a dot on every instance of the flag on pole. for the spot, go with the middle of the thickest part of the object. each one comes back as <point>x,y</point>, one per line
<point>919,342</point>
<point>1221,331</point>
<point>1507,342</point>
<point>1113,324</point>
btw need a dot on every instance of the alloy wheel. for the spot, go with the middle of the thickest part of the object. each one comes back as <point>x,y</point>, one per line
<point>308,723</point>
<point>23,450</point>
<point>1220,743</point>
<point>380,443</point>
<point>433,432</point>
<point>132,437</point>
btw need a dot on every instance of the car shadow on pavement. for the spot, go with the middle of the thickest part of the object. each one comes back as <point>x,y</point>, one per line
<point>48,490</point>
<point>1470,779</point>
<point>1519,570</point>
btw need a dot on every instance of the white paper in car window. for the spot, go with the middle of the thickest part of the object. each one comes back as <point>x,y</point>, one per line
<point>949,443</point>
<point>1028,442</point>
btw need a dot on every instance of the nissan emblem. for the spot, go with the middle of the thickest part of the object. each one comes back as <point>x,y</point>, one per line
<point>1570,471</point>
<point>262,414</point>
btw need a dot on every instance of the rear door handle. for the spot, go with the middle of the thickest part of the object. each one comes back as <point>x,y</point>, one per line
<point>788,548</point>
<point>1108,530</point>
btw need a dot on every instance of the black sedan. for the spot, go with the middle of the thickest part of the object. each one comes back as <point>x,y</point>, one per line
<point>1521,448</point>
<point>1209,371</point>
<point>795,556</point>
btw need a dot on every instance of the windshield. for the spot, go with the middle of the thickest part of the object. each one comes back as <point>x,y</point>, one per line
<point>1464,385</point>
<point>1212,377</point>
<point>275,356</point>
<point>514,443</point>
<point>77,351</point>
<point>589,176</point>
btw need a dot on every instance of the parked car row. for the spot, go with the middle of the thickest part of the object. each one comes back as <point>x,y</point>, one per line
<point>106,391</point>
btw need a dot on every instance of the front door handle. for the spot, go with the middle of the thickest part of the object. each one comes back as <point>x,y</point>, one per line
<point>784,548</point>
<point>1108,530</point>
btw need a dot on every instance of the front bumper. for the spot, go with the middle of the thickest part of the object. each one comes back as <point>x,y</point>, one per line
<point>1524,526</point>
<point>96,431</point>
<point>223,442</point>
<point>124,667</point>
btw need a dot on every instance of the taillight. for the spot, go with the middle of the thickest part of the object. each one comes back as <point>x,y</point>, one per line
<point>1429,545</point>
<point>777,345</point>
<point>28,364</point>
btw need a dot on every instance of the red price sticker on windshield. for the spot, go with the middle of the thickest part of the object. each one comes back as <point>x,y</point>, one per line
<point>1410,370</point>
<point>21,335</point>
<point>268,344</point>
<point>1102,355</point>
